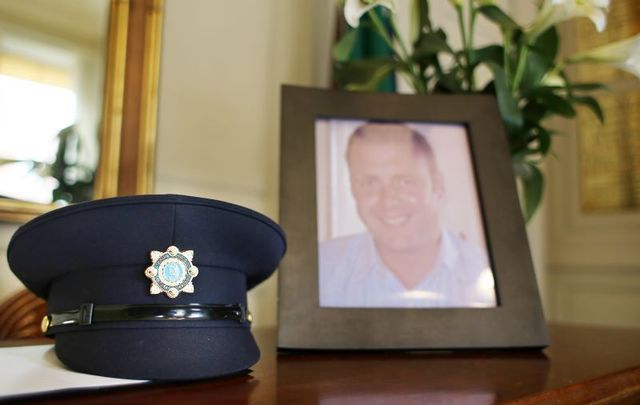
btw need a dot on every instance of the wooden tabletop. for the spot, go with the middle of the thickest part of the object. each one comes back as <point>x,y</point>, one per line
<point>582,364</point>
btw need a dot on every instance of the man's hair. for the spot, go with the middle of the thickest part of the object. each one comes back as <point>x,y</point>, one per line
<point>420,143</point>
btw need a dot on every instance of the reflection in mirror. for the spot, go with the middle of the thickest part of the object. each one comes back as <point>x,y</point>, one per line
<point>52,65</point>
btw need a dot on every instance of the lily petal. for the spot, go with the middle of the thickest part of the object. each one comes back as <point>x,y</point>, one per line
<point>632,63</point>
<point>355,9</point>
<point>623,54</point>
<point>553,79</point>
<point>602,4</point>
<point>599,19</point>
<point>553,12</point>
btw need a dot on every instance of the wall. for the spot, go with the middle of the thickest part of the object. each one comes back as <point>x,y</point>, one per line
<point>593,258</point>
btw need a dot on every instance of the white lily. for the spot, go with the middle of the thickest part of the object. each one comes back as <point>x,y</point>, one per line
<point>354,9</point>
<point>623,54</point>
<point>553,12</point>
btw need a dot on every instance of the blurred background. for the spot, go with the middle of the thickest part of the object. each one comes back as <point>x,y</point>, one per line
<point>215,132</point>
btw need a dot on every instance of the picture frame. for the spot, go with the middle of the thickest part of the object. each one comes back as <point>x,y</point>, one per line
<point>514,319</point>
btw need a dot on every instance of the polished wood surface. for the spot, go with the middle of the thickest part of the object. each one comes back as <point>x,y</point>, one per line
<point>582,365</point>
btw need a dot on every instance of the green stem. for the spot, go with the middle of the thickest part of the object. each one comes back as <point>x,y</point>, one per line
<point>463,31</point>
<point>472,23</point>
<point>419,84</point>
<point>403,55</point>
<point>559,67</point>
<point>506,59</point>
<point>382,30</point>
<point>418,81</point>
<point>428,16</point>
<point>403,47</point>
<point>464,64</point>
<point>522,64</point>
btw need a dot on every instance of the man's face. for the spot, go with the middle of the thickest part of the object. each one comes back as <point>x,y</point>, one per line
<point>395,192</point>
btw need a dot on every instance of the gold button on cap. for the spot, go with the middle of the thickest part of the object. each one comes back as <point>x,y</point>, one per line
<point>44,325</point>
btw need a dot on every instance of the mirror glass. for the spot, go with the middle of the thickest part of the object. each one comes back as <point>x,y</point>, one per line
<point>52,65</point>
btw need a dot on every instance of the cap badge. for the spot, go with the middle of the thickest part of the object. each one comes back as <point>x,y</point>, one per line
<point>171,272</point>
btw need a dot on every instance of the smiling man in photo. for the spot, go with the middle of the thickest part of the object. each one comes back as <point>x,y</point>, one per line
<point>406,258</point>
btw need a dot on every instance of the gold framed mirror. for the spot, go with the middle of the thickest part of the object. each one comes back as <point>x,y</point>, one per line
<point>126,108</point>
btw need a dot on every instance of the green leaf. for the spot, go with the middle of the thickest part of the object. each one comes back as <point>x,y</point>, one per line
<point>363,74</point>
<point>537,91</point>
<point>490,88</point>
<point>557,105</point>
<point>541,58</point>
<point>537,66</point>
<point>546,45</point>
<point>507,104</point>
<point>532,187</point>
<point>342,50</point>
<point>491,53</point>
<point>541,140</point>
<point>432,43</point>
<point>495,14</point>
<point>420,21</point>
<point>534,112</point>
<point>588,86</point>
<point>448,83</point>
<point>592,104</point>
<point>544,140</point>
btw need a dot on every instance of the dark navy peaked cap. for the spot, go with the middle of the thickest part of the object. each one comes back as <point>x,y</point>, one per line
<point>118,311</point>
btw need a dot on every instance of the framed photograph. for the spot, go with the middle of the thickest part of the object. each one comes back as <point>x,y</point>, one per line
<point>404,229</point>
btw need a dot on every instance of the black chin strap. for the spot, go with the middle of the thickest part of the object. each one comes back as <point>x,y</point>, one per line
<point>89,314</point>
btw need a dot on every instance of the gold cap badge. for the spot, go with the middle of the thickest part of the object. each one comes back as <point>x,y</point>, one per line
<point>171,272</point>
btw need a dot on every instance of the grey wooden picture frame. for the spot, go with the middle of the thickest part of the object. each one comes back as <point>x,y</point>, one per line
<point>517,321</point>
